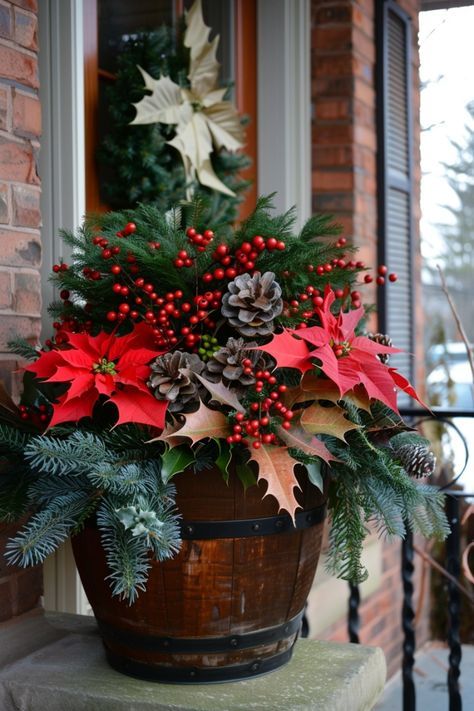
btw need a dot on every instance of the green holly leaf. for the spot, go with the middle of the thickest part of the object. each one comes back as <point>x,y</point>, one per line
<point>174,461</point>
<point>223,458</point>
<point>246,475</point>
<point>314,474</point>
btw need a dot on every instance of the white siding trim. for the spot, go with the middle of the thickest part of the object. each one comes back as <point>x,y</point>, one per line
<point>62,172</point>
<point>284,103</point>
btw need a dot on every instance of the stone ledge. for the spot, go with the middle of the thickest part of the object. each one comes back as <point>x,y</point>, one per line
<point>65,668</point>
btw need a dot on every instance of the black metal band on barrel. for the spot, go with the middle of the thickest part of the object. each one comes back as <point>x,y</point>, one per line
<point>244,528</point>
<point>201,645</point>
<point>195,675</point>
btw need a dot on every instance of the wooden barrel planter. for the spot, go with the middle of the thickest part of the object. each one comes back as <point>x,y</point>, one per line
<point>230,604</point>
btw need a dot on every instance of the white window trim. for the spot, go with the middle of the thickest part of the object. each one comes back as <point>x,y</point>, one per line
<point>62,171</point>
<point>284,103</point>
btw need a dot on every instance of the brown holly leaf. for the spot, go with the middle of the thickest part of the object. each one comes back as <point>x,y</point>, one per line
<point>320,388</point>
<point>300,439</point>
<point>276,467</point>
<point>170,434</point>
<point>358,397</point>
<point>203,423</point>
<point>327,420</point>
<point>220,393</point>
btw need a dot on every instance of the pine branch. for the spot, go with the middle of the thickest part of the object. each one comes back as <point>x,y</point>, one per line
<point>22,348</point>
<point>46,530</point>
<point>12,440</point>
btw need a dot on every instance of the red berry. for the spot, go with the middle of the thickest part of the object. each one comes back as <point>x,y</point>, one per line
<point>208,235</point>
<point>111,316</point>
<point>380,280</point>
<point>56,268</point>
<point>256,444</point>
<point>258,242</point>
<point>129,228</point>
<point>134,314</point>
<point>342,241</point>
<point>221,250</point>
<point>182,254</point>
<point>219,273</point>
<point>246,247</point>
<point>115,269</point>
<point>286,425</point>
<point>271,243</point>
<point>178,263</point>
<point>393,277</point>
<point>368,279</point>
<point>382,270</point>
<point>190,232</point>
<point>64,294</point>
<point>281,246</point>
<point>149,315</point>
<point>124,308</point>
<point>117,288</point>
<point>107,253</point>
<point>188,262</point>
<point>339,293</point>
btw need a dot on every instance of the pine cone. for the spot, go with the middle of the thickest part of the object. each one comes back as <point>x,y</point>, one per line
<point>227,363</point>
<point>417,460</point>
<point>169,382</point>
<point>384,340</point>
<point>252,303</point>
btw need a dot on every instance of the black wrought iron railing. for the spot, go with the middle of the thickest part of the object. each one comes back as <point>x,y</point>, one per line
<point>451,571</point>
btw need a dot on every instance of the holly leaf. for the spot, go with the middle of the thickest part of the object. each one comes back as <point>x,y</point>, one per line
<point>276,467</point>
<point>170,434</point>
<point>314,474</point>
<point>300,439</point>
<point>288,351</point>
<point>204,423</point>
<point>246,475</point>
<point>223,458</point>
<point>174,461</point>
<point>320,388</point>
<point>358,397</point>
<point>218,391</point>
<point>327,420</point>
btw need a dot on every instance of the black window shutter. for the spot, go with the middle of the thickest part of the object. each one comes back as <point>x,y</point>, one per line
<point>395,178</point>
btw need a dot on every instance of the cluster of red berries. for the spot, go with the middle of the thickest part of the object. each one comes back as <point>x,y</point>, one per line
<point>129,229</point>
<point>37,415</point>
<point>60,268</point>
<point>382,272</point>
<point>242,261</point>
<point>257,423</point>
<point>183,259</point>
<point>200,241</point>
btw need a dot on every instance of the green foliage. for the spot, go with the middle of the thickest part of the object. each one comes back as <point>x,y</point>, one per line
<point>137,164</point>
<point>22,348</point>
<point>153,225</point>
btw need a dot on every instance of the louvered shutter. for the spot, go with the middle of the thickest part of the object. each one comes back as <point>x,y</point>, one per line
<point>394,117</point>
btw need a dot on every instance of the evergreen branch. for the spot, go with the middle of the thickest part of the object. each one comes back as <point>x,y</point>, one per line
<point>46,530</point>
<point>12,440</point>
<point>22,348</point>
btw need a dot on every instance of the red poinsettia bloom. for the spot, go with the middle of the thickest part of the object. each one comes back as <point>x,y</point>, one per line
<point>104,365</point>
<point>349,360</point>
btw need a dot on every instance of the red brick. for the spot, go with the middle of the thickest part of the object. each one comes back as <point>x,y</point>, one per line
<point>339,13</point>
<point>331,133</point>
<point>338,181</point>
<point>19,66</point>
<point>20,249</point>
<point>331,39</point>
<point>331,86</point>
<point>332,109</point>
<point>5,290</point>
<point>26,115</point>
<point>26,29</point>
<point>27,291</point>
<point>4,107</point>
<point>4,206</point>
<point>26,206</point>
<point>332,156</point>
<point>6,24</point>
<point>13,326</point>
<point>17,162</point>
<point>334,66</point>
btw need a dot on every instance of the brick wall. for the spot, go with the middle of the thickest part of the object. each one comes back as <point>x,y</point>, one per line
<point>20,219</point>
<point>344,184</point>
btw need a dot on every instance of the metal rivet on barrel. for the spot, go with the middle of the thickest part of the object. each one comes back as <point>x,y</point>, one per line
<point>256,527</point>
<point>279,524</point>
<point>287,629</point>
<point>255,666</point>
<point>309,517</point>
<point>234,642</point>
<point>189,529</point>
<point>193,673</point>
<point>166,643</point>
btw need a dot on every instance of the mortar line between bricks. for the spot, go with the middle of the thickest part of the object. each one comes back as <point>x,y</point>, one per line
<point>18,85</point>
<point>32,53</point>
<point>34,231</point>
